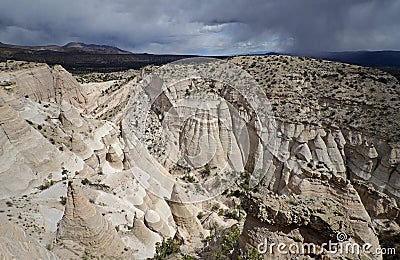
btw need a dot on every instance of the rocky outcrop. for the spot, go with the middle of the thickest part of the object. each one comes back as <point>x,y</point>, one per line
<point>312,184</point>
<point>15,244</point>
<point>144,239</point>
<point>334,149</point>
<point>308,156</point>
<point>26,157</point>
<point>374,161</point>
<point>379,205</point>
<point>83,225</point>
<point>41,82</point>
<point>154,222</point>
<point>114,159</point>
<point>202,133</point>
<point>296,220</point>
<point>71,119</point>
<point>189,228</point>
<point>70,142</point>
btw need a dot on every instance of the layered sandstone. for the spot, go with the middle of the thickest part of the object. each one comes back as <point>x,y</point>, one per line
<point>84,225</point>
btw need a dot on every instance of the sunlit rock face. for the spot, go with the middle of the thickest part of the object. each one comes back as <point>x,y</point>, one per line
<point>188,127</point>
<point>42,82</point>
<point>83,224</point>
<point>299,145</point>
<point>189,228</point>
<point>202,133</point>
<point>26,156</point>
<point>15,244</point>
<point>197,129</point>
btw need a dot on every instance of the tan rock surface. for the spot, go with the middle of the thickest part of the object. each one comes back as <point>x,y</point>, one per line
<point>42,82</point>
<point>188,226</point>
<point>14,244</point>
<point>84,225</point>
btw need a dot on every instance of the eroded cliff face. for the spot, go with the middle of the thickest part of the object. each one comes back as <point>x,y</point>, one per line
<point>327,171</point>
<point>330,149</point>
<point>42,82</point>
<point>315,207</point>
<point>350,156</point>
<point>82,226</point>
<point>327,162</point>
<point>16,245</point>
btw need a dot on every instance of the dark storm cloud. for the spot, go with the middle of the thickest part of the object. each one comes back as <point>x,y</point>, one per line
<point>205,27</point>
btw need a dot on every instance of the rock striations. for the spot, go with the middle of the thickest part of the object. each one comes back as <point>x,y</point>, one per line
<point>189,228</point>
<point>14,244</point>
<point>84,225</point>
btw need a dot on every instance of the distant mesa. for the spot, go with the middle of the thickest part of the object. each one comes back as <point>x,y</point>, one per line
<point>93,48</point>
<point>80,57</point>
<point>70,47</point>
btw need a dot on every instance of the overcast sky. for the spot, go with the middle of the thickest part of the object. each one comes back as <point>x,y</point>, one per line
<point>205,27</point>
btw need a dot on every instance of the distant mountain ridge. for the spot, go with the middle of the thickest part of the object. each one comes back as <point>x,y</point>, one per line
<point>104,49</point>
<point>79,57</point>
<point>365,58</point>
<point>388,61</point>
<point>71,47</point>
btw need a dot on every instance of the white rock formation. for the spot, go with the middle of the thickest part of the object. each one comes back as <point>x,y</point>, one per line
<point>15,244</point>
<point>83,224</point>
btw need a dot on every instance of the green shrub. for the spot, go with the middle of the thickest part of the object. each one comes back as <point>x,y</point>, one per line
<point>85,181</point>
<point>207,170</point>
<point>200,215</point>
<point>166,248</point>
<point>189,178</point>
<point>253,254</point>
<point>229,244</point>
<point>46,185</point>
<point>63,200</point>
<point>232,214</point>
